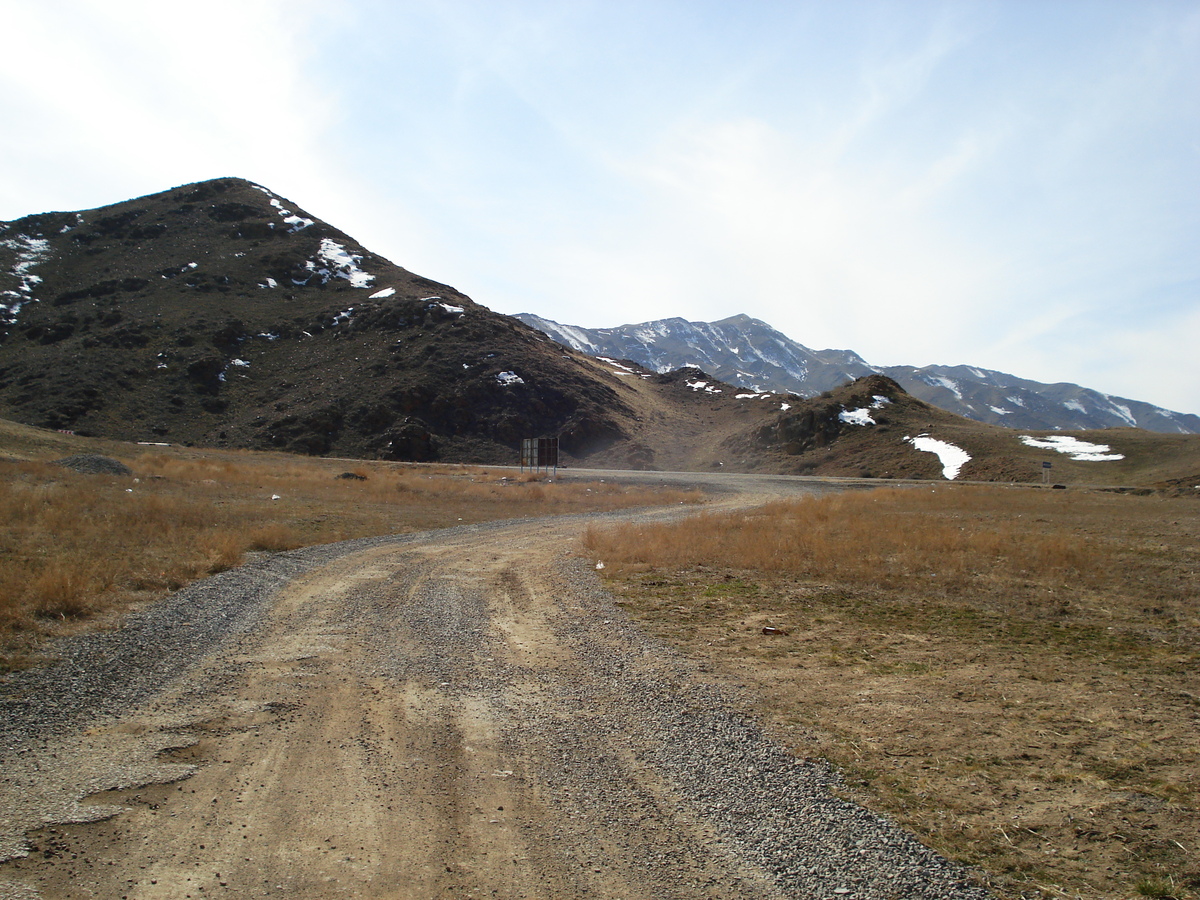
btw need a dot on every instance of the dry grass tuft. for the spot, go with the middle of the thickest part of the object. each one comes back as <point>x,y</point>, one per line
<point>883,538</point>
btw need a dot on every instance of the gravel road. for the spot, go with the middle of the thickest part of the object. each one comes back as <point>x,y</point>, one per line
<point>462,713</point>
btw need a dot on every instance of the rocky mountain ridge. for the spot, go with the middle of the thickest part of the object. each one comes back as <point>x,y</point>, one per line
<point>749,352</point>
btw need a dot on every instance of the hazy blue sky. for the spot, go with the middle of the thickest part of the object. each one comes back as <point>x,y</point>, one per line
<point>1012,184</point>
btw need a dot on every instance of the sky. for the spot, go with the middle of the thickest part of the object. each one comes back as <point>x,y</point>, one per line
<point>1009,184</point>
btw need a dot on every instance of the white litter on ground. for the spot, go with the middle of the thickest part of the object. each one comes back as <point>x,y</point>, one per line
<point>1083,451</point>
<point>953,458</point>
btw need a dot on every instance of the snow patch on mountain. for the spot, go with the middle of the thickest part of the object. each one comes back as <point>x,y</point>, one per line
<point>29,252</point>
<point>1083,451</point>
<point>335,262</point>
<point>948,383</point>
<point>856,416</point>
<point>618,368</point>
<point>1121,410</point>
<point>952,458</point>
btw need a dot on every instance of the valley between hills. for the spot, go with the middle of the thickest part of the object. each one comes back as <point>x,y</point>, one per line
<point>322,641</point>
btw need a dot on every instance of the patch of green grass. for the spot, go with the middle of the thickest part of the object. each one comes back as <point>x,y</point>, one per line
<point>1159,888</point>
<point>734,587</point>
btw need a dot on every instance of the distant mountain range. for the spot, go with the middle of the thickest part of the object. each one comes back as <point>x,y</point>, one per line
<point>745,351</point>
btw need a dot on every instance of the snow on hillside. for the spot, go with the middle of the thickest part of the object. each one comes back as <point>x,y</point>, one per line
<point>337,263</point>
<point>1083,451</point>
<point>29,252</point>
<point>952,458</point>
<point>751,354</point>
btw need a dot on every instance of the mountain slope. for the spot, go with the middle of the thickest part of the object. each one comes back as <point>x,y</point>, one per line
<point>746,351</point>
<point>221,314</point>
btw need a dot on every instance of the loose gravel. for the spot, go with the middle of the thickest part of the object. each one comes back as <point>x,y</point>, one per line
<point>635,746</point>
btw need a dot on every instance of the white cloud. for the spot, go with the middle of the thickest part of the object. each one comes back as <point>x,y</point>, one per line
<point>127,97</point>
<point>1004,185</point>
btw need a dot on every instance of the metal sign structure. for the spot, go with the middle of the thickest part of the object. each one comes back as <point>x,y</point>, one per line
<point>539,453</point>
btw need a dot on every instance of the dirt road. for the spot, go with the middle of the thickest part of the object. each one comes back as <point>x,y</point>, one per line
<point>455,714</point>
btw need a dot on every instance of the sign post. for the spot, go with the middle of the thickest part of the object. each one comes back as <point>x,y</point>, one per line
<point>539,453</point>
<point>1045,473</point>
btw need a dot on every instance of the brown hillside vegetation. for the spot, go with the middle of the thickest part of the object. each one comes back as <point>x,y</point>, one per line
<point>1014,673</point>
<point>212,314</point>
<point>810,438</point>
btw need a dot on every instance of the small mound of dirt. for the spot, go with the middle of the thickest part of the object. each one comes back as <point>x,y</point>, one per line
<point>94,464</point>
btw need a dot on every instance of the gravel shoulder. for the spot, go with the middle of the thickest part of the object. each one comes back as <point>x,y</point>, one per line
<point>462,714</point>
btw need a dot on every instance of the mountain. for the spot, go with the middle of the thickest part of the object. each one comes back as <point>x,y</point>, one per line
<point>739,350</point>
<point>749,352</point>
<point>220,313</point>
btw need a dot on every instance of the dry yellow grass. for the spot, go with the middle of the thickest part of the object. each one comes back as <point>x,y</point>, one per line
<point>1012,673</point>
<point>75,548</point>
<point>884,537</point>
